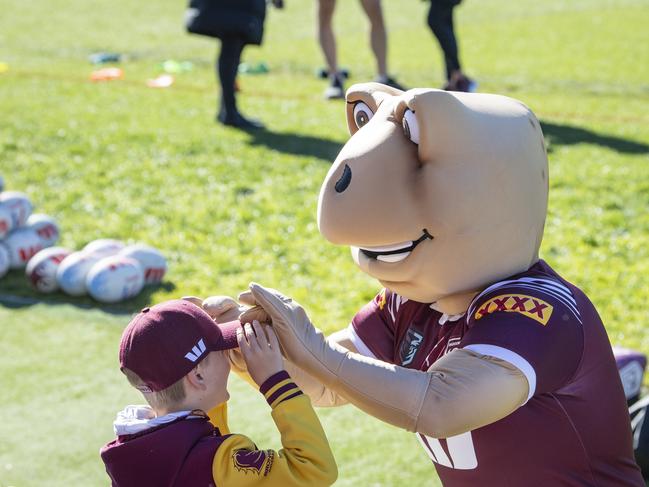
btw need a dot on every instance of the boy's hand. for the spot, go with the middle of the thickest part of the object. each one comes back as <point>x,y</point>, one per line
<point>260,350</point>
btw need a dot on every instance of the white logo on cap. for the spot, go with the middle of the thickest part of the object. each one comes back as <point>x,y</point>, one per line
<point>197,351</point>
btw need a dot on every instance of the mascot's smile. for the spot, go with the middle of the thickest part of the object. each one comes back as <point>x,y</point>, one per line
<point>396,252</point>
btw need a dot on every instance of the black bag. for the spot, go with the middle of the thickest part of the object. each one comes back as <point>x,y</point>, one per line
<point>227,18</point>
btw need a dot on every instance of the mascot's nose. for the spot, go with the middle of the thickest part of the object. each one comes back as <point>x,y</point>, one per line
<point>345,179</point>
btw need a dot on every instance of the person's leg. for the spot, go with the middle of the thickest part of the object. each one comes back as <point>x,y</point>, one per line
<point>326,34</point>
<point>227,66</point>
<point>328,46</point>
<point>440,21</point>
<point>378,36</point>
<point>379,42</point>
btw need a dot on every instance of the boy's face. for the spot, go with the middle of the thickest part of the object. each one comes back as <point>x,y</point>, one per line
<point>215,371</point>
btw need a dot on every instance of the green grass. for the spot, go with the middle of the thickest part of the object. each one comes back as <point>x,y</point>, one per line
<point>125,161</point>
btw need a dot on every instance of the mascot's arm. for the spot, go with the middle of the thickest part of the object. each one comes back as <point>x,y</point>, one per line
<point>321,396</point>
<point>223,309</point>
<point>462,391</point>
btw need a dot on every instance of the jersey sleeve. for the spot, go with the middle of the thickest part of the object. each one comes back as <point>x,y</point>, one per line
<point>537,329</point>
<point>305,458</point>
<point>372,329</point>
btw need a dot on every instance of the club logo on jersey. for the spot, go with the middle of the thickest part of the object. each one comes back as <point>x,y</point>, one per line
<point>382,299</point>
<point>409,346</point>
<point>253,461</point>
<point>529,306</point>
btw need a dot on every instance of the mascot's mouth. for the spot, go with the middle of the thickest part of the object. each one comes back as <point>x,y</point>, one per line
<point>396,252</point>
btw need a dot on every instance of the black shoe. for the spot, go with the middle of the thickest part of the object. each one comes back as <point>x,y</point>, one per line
<point>323,73</point>
<point>463,83</point>
<point>239,121</point>
<point>336,89</point>
<point>390,82</point>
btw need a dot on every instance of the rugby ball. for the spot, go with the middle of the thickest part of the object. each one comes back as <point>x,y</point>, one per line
<point>23,244</point>
<point>115,279</point>
<point>46,228</point>
<point>5,262</point>
<point>103,247</point>
<point>72,272</point>
<point>152,261</point>
<point>41,269</point>
<point>18,204</point>
<point>6,221</point>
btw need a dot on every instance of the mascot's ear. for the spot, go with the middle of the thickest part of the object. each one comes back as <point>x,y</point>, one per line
<point>426,114</point>
<point>363,100</point>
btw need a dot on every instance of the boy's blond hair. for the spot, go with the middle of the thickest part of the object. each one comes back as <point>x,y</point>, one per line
<point>164,399</point>
<point>167,398</point>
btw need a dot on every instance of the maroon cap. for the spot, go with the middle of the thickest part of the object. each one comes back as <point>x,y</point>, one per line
<point>164,343</point>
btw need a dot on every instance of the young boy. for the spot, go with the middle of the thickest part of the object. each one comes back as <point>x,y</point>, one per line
<point>177,357</point>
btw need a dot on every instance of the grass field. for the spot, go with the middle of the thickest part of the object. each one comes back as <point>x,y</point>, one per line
<point>125,161</point>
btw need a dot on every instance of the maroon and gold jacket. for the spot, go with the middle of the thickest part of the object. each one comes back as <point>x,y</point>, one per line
<point>187,449</point>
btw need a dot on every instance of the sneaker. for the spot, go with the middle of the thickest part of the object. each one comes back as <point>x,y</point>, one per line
<point>335,90</point>
<point>387,80</point>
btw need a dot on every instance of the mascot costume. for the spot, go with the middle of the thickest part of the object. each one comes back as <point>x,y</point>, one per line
<point>500,366</point>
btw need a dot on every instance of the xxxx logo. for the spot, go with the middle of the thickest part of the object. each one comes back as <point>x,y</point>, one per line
<point>517,303</point>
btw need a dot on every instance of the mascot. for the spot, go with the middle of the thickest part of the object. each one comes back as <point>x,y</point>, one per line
<point>501,367</point>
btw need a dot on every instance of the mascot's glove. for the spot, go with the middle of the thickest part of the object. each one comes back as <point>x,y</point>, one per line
<point>462,391</point>
<point>223,309</point>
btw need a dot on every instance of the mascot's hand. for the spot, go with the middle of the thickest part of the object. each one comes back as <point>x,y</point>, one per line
<point>302,343</point>
<point>223,309</point>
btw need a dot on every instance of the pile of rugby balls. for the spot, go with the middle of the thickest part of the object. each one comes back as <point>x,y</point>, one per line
<point>106,269</point>
<point>22,234</point>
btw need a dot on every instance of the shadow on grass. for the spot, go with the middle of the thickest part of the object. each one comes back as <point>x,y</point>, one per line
<point>557,134</point>
<point>297,144</point>
<point>15,293</point>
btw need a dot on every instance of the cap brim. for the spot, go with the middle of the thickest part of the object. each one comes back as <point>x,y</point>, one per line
<point>228,335</point>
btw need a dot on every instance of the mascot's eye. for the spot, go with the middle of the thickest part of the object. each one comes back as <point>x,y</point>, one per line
<point>410,126</point>
<point>362,114</point>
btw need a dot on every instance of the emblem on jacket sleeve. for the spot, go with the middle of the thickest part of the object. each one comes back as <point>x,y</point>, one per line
<point>253,461</point>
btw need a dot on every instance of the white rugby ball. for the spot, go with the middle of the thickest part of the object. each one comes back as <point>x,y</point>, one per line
<point>104,247</point>
<point>41,269</point>
<point>23,244</point>
<point>5,261</point>
<point>72,272</point>
<point>45,226</point>
<point>18,204</point>
<point>115,279</point>
<point>151,259</point>
<point>6,221</point>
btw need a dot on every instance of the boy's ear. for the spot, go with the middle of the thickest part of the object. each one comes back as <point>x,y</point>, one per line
<point>195,379</point>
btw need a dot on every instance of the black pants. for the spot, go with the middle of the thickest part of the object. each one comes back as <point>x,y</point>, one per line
<point>227,65</point>
<point>440,21</point>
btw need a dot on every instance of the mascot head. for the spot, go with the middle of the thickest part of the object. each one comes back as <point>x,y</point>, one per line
<point>438,194</point>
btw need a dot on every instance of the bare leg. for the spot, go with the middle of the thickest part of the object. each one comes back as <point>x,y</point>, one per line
<point>378,36</point>
<point>328,45</point>
<point>326,34</point>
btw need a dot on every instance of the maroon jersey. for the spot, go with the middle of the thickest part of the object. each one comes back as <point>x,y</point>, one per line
<point>574,429</point>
